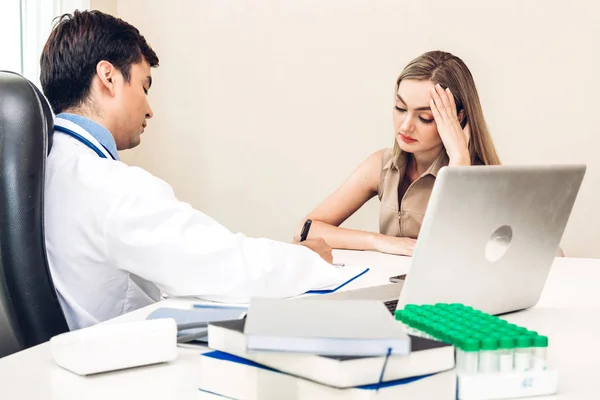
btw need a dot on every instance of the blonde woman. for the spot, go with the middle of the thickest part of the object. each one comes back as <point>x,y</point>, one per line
<point>438,121</point>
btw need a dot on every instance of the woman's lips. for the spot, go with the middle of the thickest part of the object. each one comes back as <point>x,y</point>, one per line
<point>407,139</point>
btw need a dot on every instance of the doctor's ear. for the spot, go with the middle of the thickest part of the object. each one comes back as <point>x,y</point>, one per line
<point>105,71</point>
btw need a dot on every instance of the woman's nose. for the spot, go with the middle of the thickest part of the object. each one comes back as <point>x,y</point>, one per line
<point>407,125</point>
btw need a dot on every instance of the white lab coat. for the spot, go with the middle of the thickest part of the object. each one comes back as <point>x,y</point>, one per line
<point>112,229</point>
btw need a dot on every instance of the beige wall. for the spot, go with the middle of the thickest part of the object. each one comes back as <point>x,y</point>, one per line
<point>107,6</point>
<point>263,107</point>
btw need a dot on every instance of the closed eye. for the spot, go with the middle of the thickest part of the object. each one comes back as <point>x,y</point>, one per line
<point>426,121</point>
<point>402,110</point>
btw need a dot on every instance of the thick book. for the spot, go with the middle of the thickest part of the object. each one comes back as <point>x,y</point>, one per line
<point>426,357</point>
<point>327,327</point>
<point>233,377</point>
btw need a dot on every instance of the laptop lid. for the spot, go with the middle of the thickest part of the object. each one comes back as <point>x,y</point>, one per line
<point>490,235</point>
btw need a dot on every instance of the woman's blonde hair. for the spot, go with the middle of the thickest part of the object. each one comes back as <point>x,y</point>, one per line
<point>451,72</point>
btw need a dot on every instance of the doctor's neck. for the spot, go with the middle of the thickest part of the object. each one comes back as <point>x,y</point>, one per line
<point>92,113</point>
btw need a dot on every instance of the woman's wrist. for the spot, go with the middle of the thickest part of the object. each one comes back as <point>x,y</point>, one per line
<point>460,159</point>
<point>372,241</point>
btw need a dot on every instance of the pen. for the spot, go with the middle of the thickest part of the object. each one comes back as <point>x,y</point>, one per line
<point>305,230</point>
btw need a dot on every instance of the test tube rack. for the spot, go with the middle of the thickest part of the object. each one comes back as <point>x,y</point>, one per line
<point>494,358</point>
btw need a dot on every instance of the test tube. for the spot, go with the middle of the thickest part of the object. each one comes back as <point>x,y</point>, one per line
<point>468,356</point>
<point>488,355</point>
<point>540,346</point>
<point>523,353</point>
<point>411,322</point>
<point>402,316</point>
<point>453,336</point>
<point>418,326</point>
<point>436,331</point>
<point>506,362</point>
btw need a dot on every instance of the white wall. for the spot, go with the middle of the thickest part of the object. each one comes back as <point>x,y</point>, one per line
<point>10,27</point>
<point>264,107</point>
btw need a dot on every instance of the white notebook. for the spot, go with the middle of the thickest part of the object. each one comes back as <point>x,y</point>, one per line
<point>325,327</point>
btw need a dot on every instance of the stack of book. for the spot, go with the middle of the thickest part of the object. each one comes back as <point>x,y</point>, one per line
<point>317,349</point>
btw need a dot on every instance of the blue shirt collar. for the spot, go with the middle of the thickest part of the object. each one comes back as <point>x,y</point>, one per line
<point>100,133</point>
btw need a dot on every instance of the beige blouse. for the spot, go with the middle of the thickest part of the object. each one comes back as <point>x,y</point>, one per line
<point>404,218</point>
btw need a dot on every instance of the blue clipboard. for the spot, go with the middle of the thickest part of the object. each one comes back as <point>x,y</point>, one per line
<point>327,291</point>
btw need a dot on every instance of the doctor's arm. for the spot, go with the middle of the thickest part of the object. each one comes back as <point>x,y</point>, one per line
<point>151,234</point>
<point>359,187</point>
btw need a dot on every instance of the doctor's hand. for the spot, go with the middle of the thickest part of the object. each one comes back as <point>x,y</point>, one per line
<point>319,246</point>
<point>403,246</point>
<point>454,137</point>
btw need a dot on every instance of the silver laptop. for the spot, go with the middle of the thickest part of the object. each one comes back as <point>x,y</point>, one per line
<point>488,239</point>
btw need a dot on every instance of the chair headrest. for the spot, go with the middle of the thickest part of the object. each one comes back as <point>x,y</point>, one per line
<point>20,102</point>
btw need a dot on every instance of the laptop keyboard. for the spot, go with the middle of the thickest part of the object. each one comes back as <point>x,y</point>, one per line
<point>391,305</point>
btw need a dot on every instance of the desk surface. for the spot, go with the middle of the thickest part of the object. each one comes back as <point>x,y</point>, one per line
<point>568,312</point>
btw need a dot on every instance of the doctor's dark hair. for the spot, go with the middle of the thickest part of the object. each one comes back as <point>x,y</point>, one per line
<point>77,43</point>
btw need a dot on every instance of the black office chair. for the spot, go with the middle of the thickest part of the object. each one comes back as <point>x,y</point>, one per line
<point>29,309</point>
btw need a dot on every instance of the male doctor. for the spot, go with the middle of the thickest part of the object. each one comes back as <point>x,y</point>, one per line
<point>116,235</point>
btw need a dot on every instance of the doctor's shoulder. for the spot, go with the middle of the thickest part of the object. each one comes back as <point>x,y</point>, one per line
<point>136,180</point>
<point>108,181</point>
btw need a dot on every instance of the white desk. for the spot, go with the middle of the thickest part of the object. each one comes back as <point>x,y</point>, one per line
<point>568,312</point>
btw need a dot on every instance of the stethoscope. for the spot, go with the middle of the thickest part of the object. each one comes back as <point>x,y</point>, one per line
<point>83,140</point>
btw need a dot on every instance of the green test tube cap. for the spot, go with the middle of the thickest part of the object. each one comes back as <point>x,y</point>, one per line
<point>521,330</point>
<point>510,332</point>
<point>437,330</point>
<point>477,335</point>
<point>540,341</point>
<point>453,336</point>
<point>523,342</point>
<point>489,343</point>
<point>470,344</point>
<point>506,342</point>
<point>418,323</point>
<point>399,315</point>
<point>496,335</point>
